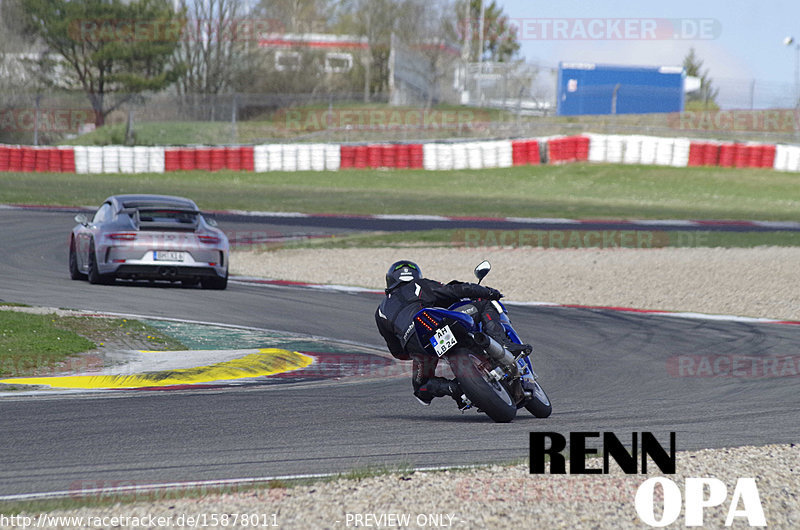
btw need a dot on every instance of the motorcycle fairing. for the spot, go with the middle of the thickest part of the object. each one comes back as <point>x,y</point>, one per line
<point>428,320</point>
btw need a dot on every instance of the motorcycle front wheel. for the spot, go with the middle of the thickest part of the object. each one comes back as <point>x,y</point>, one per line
<point>484,392</point>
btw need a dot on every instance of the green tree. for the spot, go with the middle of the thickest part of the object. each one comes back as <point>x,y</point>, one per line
<point>500,39</point>
<point>113,50</point>
<point>706,96</point>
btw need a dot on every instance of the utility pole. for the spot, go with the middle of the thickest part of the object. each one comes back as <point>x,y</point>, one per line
<point>481,22</point>
<point>368,57</point>
<point>788,41</point>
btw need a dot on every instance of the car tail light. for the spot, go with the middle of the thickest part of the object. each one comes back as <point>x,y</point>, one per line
<point>208,240</point>
<point>122,236</point>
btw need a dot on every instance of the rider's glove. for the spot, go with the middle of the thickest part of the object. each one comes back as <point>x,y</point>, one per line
<point>494,294</point>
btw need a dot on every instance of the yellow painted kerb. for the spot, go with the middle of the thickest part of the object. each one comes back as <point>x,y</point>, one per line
<point>268,361</point>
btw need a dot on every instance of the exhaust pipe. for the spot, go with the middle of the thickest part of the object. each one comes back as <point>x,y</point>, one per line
<point>167,272</point>
<point>496,351</point>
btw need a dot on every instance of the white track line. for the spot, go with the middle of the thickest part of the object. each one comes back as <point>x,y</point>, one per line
<point>676,314</point>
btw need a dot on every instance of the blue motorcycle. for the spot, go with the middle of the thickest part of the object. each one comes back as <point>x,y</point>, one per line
<point>494,378</point>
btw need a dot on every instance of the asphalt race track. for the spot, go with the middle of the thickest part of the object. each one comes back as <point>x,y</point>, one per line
<point>604,371</point>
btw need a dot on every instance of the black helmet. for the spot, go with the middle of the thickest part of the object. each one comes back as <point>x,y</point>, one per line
<point>402,271</point>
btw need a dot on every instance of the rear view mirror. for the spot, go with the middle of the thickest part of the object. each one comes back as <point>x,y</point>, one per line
<point>482,270</point>
<point>82,219</point>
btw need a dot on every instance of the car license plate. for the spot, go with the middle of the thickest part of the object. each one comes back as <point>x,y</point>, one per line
<point>443,340</point>
<point>167,255</point>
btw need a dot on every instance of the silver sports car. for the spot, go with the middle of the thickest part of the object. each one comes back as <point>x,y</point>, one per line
<point>151,237</point>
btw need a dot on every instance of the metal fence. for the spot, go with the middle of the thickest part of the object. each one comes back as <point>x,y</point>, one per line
<point>497,110</point>
<point>514,87</point>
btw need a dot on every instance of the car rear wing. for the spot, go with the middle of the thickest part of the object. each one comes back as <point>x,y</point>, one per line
<point>163,218</point>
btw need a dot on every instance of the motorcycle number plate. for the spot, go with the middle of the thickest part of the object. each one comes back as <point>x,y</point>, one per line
<point>443,340</point>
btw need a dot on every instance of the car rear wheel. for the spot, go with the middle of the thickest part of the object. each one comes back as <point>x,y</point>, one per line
<point>217,282</point>
<point>94,275</point>
<point>74,272</point>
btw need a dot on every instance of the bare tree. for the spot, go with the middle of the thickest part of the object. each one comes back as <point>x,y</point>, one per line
<point>298,16</point>
<point>11,44</point>
<point>434,39</point>
<point>378,20</point>
<point>215,46</point>
<point>14,79</point>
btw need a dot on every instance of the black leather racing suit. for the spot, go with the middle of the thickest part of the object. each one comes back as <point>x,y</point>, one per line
<point>394,318</point>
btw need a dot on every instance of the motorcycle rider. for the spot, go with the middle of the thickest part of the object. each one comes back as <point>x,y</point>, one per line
<point>407,292</point>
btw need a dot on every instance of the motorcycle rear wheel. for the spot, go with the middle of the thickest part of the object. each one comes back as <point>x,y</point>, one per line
<point>484,392</point>
<point>539,404</point>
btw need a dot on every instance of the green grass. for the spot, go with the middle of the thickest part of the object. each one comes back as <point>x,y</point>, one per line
<point>32,344</point>
<point>290,123</point>
<point>159,133</point>
<point>566,239</point>
<point>104,331</point>
<point>385,123</point>
<point>576,190</point>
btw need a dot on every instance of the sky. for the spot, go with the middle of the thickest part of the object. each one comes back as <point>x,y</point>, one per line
<point>740,42</point>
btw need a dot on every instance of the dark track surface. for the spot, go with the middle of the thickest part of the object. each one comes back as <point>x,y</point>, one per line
<point>336,223</point>
<point>604,371</point>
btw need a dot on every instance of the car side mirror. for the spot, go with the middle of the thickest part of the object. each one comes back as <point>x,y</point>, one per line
<point>482,270</point>
<point>210,221</point>
<point>82,218</point>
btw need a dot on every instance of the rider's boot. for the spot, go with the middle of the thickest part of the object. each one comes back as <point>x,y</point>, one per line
<point>437,387</point>
<point>493,328</point>
<point>517,349</point>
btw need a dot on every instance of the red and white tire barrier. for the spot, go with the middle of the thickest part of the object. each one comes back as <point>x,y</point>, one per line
<point>22,158</point>
<point>445,155</point>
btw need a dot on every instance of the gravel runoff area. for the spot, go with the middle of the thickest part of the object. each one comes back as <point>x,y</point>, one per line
<point>757,282</point>
<point>754,282</point>
<point>489,497</point>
